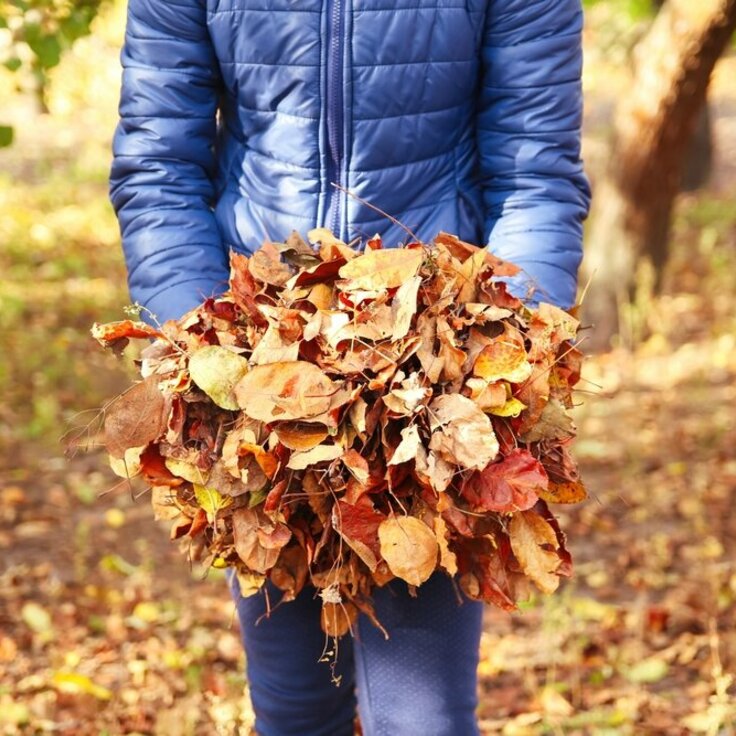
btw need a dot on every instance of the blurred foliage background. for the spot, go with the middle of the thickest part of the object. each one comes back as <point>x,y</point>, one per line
<point>104,629</point>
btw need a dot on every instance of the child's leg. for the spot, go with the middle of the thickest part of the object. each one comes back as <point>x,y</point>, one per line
<point>423,680</point>
<point>291,691</point>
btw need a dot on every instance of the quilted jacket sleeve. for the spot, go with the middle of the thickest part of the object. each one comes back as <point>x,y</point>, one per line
<point>161,179</point>
<point>535,194</point>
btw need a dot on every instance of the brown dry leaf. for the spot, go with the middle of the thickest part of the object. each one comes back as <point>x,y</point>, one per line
<point>448,559</point>
<point>135,418</point>
<point>285,391</point>
<point>296,251</point>
<point>404,307</point>
<point>382,269</point>
<point>468,274</point>
<point>554,423</point>
<point>487,395</point>
<point>452,356</point>
<point>463,250</point>
<point>530,534</point>
<point>318,454</point>
<point>216,370</point>
<point>300,436</point>
<point>321,295</point>
<point>409,398</point>
<point>484,313</point>
<point>266,265</point>
<point>431,363</point>
<point>258,540</point>
<point>163,501</point>
<point>462,433</point>
<point>337,619</point>
<point>290,572</point>
<point>186,469</point>
<point>357,465</point>
<point>409,548</point>
<point>433,471</point>
<point>272,348</point>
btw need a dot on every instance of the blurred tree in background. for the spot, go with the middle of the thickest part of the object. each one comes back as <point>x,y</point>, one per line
<point>33,36</point>
<point>654,128</point>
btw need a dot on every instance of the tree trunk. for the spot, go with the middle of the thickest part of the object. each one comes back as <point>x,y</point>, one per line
<point>653,127</point>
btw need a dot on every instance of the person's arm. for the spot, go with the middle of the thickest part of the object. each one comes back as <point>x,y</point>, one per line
<point>535,194</point>
<point>161,179</point>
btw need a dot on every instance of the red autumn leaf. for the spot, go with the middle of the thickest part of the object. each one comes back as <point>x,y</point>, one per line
<point>244,288</point>
<point>154,470</point>
<point>358,526</point>
<point>509,485</point>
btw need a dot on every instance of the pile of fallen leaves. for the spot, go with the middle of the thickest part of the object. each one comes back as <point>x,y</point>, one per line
<point>343,418</point>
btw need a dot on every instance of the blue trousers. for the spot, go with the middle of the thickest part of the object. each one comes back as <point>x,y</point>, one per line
<point>422,681</point>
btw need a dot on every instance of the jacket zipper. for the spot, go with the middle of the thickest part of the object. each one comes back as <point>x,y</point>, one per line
<point>335,121</point>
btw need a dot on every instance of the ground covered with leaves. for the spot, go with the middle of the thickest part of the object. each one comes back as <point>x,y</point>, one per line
<point>104,629</point>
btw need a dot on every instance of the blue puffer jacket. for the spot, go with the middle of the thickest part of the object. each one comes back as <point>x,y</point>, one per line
<point>456,115</point>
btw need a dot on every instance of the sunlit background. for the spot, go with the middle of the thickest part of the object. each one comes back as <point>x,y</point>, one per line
<point>104,629</point>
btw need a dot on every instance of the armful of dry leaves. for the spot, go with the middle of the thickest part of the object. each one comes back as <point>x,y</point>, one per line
<point>344,418</point>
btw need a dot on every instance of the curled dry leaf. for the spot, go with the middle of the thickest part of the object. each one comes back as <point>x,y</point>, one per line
<point>463,434</point>
<point>531,536</point>
<point>258,539</point>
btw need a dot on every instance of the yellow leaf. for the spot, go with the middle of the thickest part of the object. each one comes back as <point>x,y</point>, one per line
<point>528,532</point>
<point>505,358</point>
<point>74,683</point>
<point>409,548</point>
<point>216,370</point>
<point>129,465</point>
<point>382,269</point>
<point>210,500</point>
<point>186,470</point>
<point>512,408</point>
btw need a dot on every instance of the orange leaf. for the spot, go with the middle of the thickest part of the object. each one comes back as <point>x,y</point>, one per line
<point>409,548</point>
<point>285,391</point>
<point>530,537</point>
<point>113,331</point>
